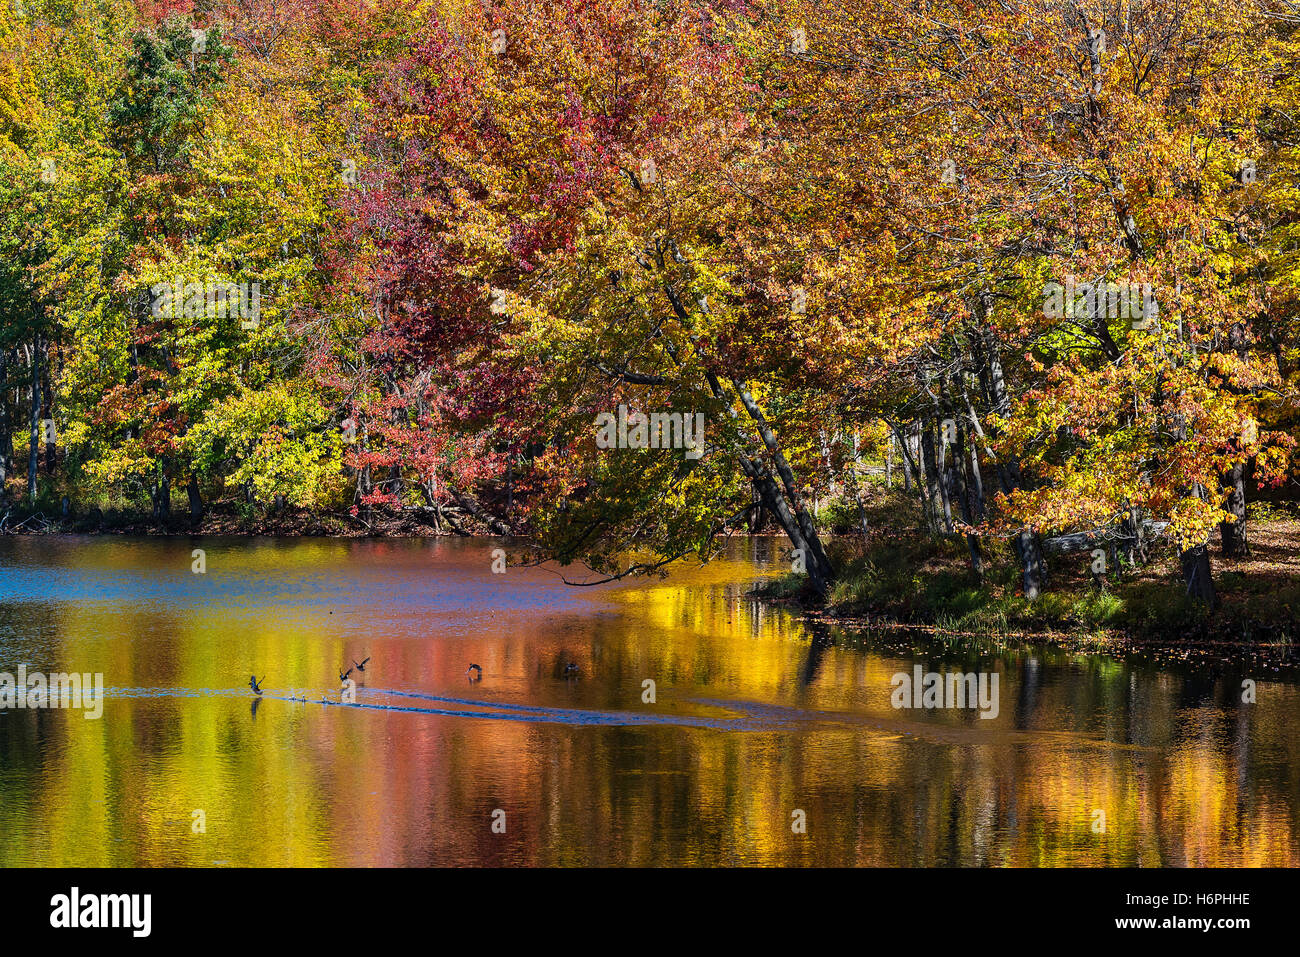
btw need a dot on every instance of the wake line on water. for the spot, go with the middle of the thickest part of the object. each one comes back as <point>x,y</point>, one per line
<point>494,710</point>
<point>744,716</point>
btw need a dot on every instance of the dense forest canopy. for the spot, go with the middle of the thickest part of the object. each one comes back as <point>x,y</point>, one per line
<point>1042,258</point>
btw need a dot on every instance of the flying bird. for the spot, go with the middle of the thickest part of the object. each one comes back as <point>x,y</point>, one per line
<point>343,675</point>
<point>362,666</point>
<point>254,683</point>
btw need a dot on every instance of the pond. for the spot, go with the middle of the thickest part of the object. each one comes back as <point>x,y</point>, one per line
<point>700,727</point>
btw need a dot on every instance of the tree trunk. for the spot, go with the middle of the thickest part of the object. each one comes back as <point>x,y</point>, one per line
<point>943,472</point>
<point>1133,546</point>
<point>395,470</point>
<point>961,490</point>
<point>33,448</point>
<point>911,466</point>
<point>1197,575</point>
<point>932,495</point>
<point>51,457</point>
<point>820,569</point>
<point>426,489</point>
<point>1033,568</point>
<point>6,432</point>
<point>162,499</point>
<point>196,499</point>
<point>817,568</point>
<point>972,435</point>
<point>993,383</point>
<point>793,518</point>
<point>855,486</point>
<point>757,513</point>
<point>796,523</point>
<point>1233,534</point>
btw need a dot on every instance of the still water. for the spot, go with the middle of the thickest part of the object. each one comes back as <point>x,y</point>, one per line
<point>760,728</point>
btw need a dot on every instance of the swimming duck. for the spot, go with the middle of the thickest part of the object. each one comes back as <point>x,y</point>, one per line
<point>475,673</point>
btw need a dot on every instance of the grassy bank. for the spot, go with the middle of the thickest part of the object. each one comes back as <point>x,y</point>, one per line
<point>912,580</point>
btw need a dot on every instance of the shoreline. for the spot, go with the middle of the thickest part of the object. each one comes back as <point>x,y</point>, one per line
<point>1266,647</point>
<point>1207,650</point>
<point>224,519</point>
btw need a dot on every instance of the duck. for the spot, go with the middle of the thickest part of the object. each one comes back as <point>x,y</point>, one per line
<point>571,670</point>
<point>343,675</point>
<point>475,673</point>
<point>362,666</point>
<point>255,684</point>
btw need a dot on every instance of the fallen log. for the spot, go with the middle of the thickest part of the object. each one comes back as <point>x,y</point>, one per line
<point>470,505</point>
<point>1100,538</point>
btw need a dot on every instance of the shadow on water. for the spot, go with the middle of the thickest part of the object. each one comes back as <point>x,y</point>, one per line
<point>819,644</point>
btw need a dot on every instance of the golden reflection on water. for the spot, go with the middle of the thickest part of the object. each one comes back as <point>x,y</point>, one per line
<point>756,717</point>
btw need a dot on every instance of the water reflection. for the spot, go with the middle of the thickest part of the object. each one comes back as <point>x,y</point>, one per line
<point>757,714</point>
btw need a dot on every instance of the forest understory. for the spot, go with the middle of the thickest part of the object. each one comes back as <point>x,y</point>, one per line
<point>910,590</point>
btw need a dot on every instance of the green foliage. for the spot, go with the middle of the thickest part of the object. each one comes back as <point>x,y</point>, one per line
<point>271,440</point>
<point>169,76</point>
